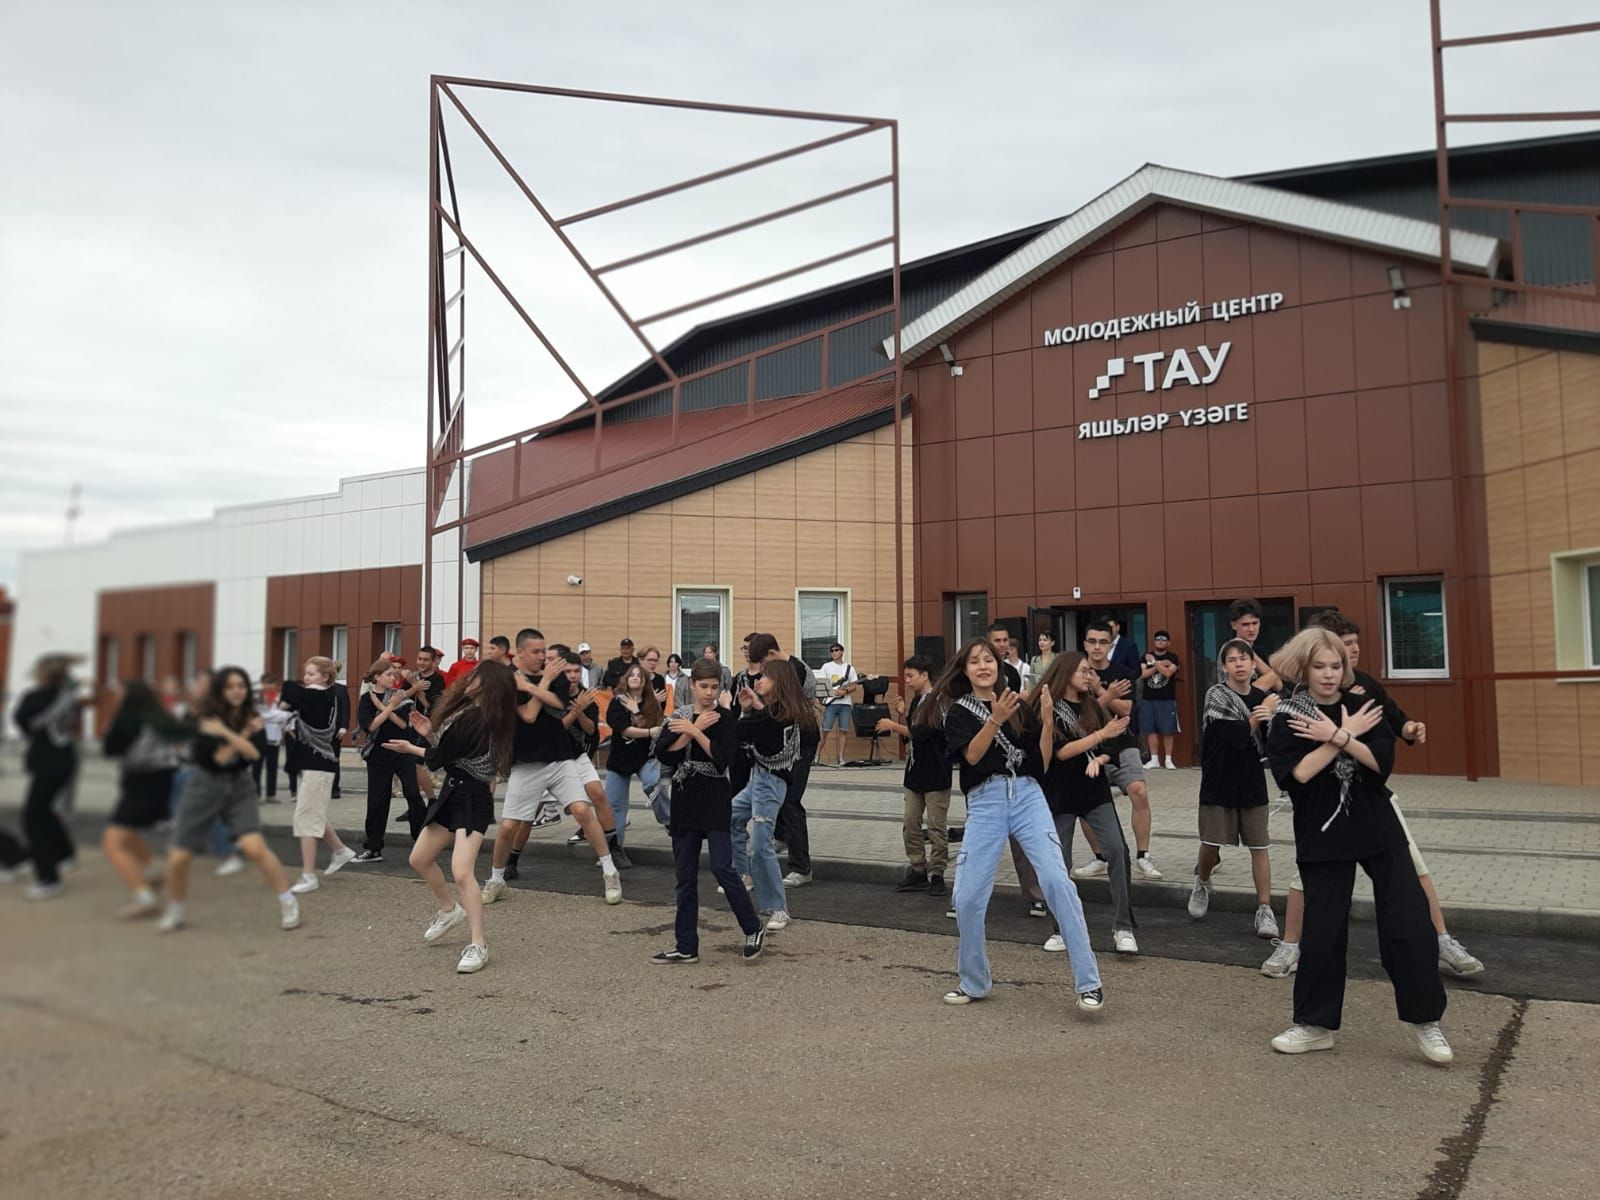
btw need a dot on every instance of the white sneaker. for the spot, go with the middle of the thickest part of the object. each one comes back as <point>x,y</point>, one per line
<point>1266,922</point>
<point>613,882</point>
<point>1055,944</point>
<point>1298,1039</point>
<point>778,920</point>
<point>290,913</point>
<point>1431,1040</point>
<point>796,879</point>
<point>306,883</point>
<point>1093,869</point>
<point>1283,961</point>
<point>340,857</point>
<point>1454,959</point>
<point>1169,764</point>
<point>443,922</point>
<point>473,958</point>
<point>1200,898</point>
<point>44,891</point>
<point>1152,763</point>
<point>1125,942</point>
<point>171,921</point>
<point>493,890</point>
<point>1147,866</point>
<point>18,873</point>
<point>231,865</point>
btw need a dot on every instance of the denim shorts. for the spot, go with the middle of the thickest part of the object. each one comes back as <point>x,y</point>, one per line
<point>836,716</point>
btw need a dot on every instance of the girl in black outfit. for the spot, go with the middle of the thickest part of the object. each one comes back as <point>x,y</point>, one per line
<point>1075,783</point>
<point>145,737</point>
<point>384,714</point>
<point>775,720</point>
<point>634,716</point>
<point>470,739</point>
<point>313,752</point>
<point>218,789</point>
<point>1333,753</point>
<point>48,715</point>
<point>699,745</point>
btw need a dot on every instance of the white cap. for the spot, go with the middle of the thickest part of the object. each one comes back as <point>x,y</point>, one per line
<point>584,647</point>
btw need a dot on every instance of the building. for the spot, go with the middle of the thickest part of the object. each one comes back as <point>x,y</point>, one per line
<point>1191,389</point>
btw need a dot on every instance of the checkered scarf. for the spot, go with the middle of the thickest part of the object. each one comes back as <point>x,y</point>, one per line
<point>1300,703</point>
<point>1013,755</point>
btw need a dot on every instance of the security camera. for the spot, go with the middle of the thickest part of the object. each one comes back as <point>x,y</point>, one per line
<point>575,580</point>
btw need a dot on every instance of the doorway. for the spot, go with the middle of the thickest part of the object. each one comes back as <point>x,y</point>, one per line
<point>1068,624</point>
<point>1208,628</point>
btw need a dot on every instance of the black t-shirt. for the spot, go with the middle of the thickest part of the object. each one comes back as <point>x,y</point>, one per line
<point>1367,688</point>
<point>204,748</point>
<point>1230,756</point>
<point>927,766</point>
<point>318,707</point>
<point>49,718</point>
<point>614,670</point>
<point>1158,686</point>
<point>1012,676</point>
<point>1067,785</point>
<point>1325,830</point>
<point>627,755</point>
<point>702,803</point>
<point>367,712</point>
<point>961,725</point>
<point>544,740</point>
<point>1108,676</point>
<point>584,741</point>
<point>428,698</point>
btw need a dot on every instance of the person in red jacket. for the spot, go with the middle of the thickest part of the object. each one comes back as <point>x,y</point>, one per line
<point>464,664</point>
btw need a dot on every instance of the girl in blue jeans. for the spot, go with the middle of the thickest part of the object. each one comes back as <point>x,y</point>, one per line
<point>635,718</point>
<point>1000,746</point>
<point>774,715</point>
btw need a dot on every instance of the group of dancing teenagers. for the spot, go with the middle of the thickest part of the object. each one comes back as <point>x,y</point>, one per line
<point>1032,763</point>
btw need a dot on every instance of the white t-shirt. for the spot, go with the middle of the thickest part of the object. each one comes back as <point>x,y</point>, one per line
<point>833,674</point>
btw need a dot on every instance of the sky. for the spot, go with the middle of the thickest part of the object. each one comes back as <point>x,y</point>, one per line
<point>213,214</point>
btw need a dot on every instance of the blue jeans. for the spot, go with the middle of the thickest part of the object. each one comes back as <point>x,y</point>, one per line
<point>618,787</point>
<point>760,800</point>
<point>999,809</point>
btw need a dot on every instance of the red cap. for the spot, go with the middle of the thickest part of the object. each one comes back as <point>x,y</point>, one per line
<point>470,641</point>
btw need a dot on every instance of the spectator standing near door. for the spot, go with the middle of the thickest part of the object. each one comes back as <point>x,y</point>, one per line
<point>840,683</point>
<point>1158,701</point>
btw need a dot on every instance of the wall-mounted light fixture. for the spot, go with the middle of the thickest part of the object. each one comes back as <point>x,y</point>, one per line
<point>574,580</point>
<point>1397,285</point>
<point>949,358</point>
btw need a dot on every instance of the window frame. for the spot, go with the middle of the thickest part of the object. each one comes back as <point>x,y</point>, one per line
<point>392,645</point>
<point>956,600</point>
<point>842,635</point>
<point>1586,600</point>
<point>291,651</point>
<point>188,654</point>
<point>725,596</point>
<point>1419,673</point>
<point>340,654</point>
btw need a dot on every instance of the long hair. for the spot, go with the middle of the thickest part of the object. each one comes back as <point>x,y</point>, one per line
<point>649,706</point>
<point>492,706</point>
<point>1294,660</point>
<point>787,704</point>
<point>212,704</point>
<point>1057,677</point>
<point>953,684</point>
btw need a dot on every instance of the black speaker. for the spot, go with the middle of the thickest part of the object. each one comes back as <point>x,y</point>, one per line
<point>933,647</point>
<point>866,718</point>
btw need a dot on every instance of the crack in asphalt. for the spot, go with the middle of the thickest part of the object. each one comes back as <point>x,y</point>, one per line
<point>1449,1176</point>
<point>625,1187</point>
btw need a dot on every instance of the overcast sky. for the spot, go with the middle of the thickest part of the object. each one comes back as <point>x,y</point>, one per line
<point>212,214</point>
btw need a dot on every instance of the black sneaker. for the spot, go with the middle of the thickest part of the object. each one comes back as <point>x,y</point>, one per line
<point>674,955</point>
<point>546,814</point>
<point>1037,909</point>
<point>956,832</point>
<point>576,839</point>
<point>912,881</point>
<point>754,943</point>
<point>936,885</point>
<point>336,794</point>
<point>779,846</point>
<point>368,856</point>
<point>1092,1001</point>
<point>619,858</point>
<point>511,870</point>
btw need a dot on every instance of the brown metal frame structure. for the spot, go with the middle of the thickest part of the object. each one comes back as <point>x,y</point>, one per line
<point>447,456</point>
<point>1467,624</point>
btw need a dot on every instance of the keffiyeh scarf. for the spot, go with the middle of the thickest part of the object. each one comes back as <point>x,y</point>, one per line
<point>1344,767</point>
<point>691,765</point>
<point>1013,755</point>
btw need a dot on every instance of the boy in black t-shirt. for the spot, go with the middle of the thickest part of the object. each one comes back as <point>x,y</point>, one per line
<point>1158,701</point>
<point>927,782</point>
<point>1126,769</point>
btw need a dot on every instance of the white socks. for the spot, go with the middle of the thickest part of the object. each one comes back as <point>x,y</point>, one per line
<point>497,874</point>
<point>145,895</point>
<point>605,864</point>
<point>176,909</point>
<point>286,898</point>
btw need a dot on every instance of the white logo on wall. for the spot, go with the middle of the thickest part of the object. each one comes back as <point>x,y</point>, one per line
<point>1180,369</point>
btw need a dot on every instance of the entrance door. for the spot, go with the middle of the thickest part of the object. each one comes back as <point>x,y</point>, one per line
<point>1070,623</point>
<point>1208,629</point>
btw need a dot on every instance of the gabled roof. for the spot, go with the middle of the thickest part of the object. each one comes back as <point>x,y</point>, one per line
<point>710,452</point>
<point>1152,184</point>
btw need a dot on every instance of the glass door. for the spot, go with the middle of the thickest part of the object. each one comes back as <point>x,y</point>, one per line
<point>1208,628</point>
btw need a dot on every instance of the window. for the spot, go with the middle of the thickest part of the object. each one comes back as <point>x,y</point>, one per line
<point>291,653</point>
<point>700,615</point>
<point>188,654</point>
<point>821,619</point>
<point>110,662</point>
<point>1414,627</point>
<point>340,641</point>
<point>391,638</point>
<point>1591,615</point>
<point>971,616</point>
<point>147,658</point>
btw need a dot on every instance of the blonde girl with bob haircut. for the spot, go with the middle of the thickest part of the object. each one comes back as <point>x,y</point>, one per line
<point>1332,752</point>
<point>313,755</point>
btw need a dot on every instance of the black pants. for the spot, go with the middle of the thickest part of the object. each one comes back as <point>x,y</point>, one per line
<point>686,857</point>
<point>268,762</point>
<point>12,852</point>
<point>382,768</point>
<point>48,840</point>
<point>1407,944</point>
<point>790,827</point>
